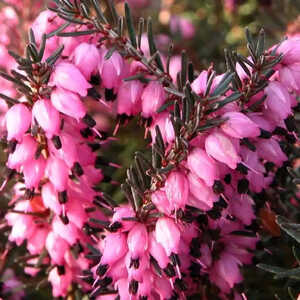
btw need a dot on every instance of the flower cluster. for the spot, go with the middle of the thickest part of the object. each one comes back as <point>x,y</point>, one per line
<point>51,146</point>
<point>201,227</point>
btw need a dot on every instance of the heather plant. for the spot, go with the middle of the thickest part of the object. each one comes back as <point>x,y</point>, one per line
<point>199,200</point>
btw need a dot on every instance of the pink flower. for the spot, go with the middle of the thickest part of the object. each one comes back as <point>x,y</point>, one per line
<point>22,225</point>
<point>289,76</point>
<point>162,120</point>
<point>200,83</point>
<point>115,247</point>
<point>18,120</point>
<point>36,242</point>
<point>227,269</point>
<point>271,151</point>
<point>23,153</point>
<point>137,240</point>
<point>203,166</point>
<point>111,69</point>
<point>158,252</point>
<point>222,149</point>
<point>56,247</point>
<point>162,203</point>
<point>167,234</point>
<point>68,232</point>
<point>34,171</point>
<point>152,98</point>
<point>86,57</point>
<point>129,97</point>
<point>121,212</point>
<point>50,198</point>
<point>175,67</point>
<point>239,126</point>
<point>201,196</point>
<point>58,173</point>
<point>278,100</point>
<point>68,76</point>
<point>47,117</point>
<point>177,189</point>
<point>68,103</point>
<point>61,279</point>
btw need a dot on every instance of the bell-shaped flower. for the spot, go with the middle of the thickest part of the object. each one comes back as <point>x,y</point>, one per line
<point>47,117</point>
<point>177,189</point>
<point>137,271</point>
<point>68,232</point>
<point>50,198</point>
<point>239,125</point>
<point>115,247</point>
<point>289,76</point>
<point>162,120</point>
<point>68,76</point>
<point>137,240</point>
<point>158,252</point>
<point>278,100</point>
<point>58,173</point>
<point>152,98</point>
<point>18,120</point>
<point>167,234</point>
<point>161,202</point>
<point>270,151</point>
<point>201,195</point>
<point>33,172</point>
<point>76,212</point>
<point>60,282</point>
<point>203,166</point>
<point>56,247</point>
<point>68,103</point>
<point>227,268</point>
<point>111,69</point>
<point>23,153</point>
<point>221,148</point>
<point>86,57</point>
<point>121,212</point>
<point>200,83</point>
<point>129,98</point>
<point>36,242</point>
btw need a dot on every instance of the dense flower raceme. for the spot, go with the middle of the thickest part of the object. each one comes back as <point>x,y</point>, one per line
<point>223,168</point>
<point>202,206</point>
<point>52,143</point>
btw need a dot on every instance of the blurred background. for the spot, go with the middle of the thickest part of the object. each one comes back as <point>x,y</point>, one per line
<point>203,28</point>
